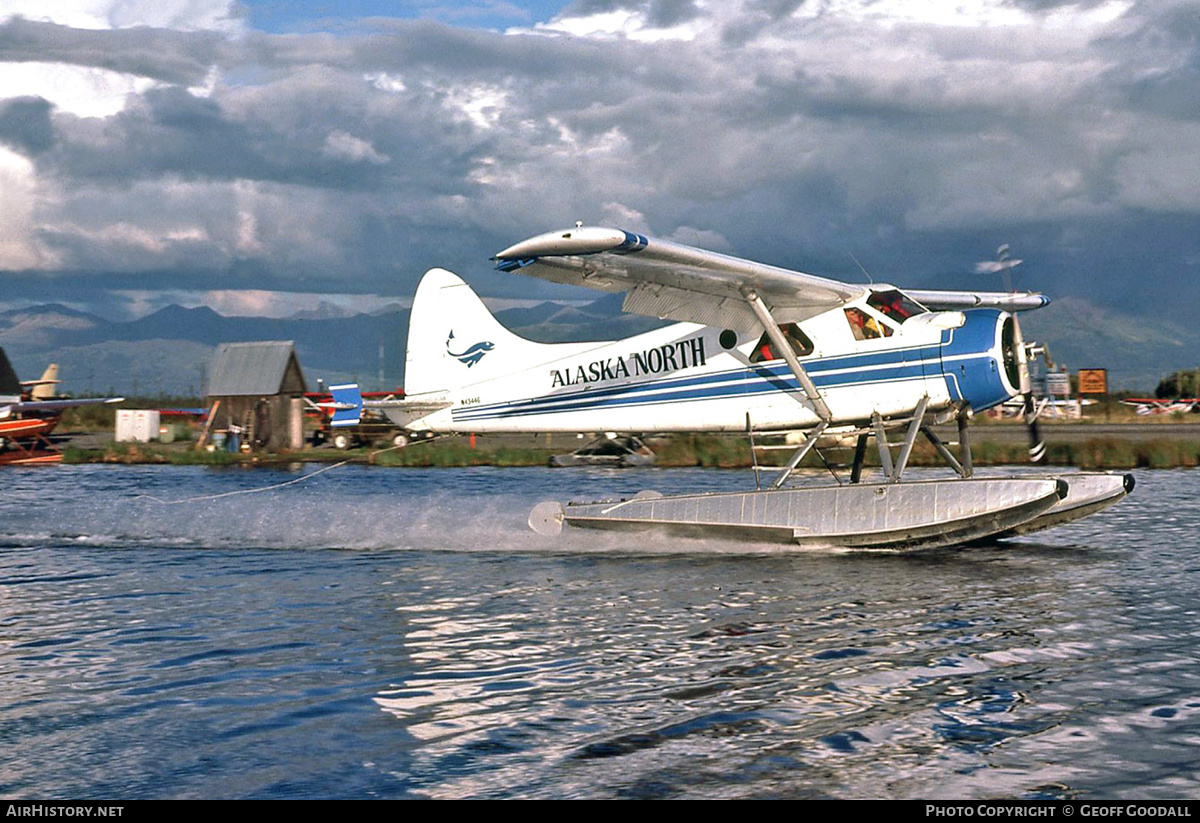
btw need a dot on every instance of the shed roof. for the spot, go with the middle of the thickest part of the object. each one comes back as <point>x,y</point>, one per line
<point>248,369</point>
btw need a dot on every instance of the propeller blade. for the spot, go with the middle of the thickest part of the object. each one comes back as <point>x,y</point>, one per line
<point>1037,446</point>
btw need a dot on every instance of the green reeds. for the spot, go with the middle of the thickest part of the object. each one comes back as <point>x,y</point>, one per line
<point>685,450</point>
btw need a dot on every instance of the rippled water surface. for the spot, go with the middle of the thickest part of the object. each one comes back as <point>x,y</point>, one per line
<point>400,633</point>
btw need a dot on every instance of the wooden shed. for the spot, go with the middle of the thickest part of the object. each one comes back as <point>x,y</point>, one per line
<point>256,394</point>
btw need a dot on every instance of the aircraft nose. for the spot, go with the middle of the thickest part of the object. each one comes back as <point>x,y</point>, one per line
<point>974,358</point>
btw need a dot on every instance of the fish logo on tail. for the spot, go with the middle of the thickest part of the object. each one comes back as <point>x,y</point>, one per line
<point>473,354</point>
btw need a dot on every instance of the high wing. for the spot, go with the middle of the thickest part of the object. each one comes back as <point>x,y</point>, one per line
<point>12,393</point>
<point>670,280</point>
<point>55,405</point>
<point>959,300</point>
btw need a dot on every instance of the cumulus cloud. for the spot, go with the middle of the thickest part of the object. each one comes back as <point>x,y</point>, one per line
<point>916,136</point>
<point>160,54</point>
<point>25,124</point>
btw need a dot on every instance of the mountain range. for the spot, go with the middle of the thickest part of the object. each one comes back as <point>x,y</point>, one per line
<point>166,353</point>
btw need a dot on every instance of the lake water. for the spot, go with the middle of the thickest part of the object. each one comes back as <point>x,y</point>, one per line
<point>179,632</point>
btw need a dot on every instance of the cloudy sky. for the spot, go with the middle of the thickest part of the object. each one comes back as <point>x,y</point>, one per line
<point>254,154</point>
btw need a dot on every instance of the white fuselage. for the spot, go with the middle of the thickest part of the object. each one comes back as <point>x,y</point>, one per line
<point>686,377</point>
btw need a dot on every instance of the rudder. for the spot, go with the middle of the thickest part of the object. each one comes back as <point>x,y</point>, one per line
<point>347,405</point>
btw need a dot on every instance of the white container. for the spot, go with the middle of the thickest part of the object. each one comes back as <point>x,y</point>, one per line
<point>137,425</point>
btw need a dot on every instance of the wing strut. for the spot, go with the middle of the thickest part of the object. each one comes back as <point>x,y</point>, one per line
<point>781,345</point>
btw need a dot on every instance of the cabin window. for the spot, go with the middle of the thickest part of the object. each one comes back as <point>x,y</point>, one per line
<point>765,350</point>
<point>894,305</point>
<point>866,327</point>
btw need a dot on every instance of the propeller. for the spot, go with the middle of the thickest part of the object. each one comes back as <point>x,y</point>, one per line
<point>1037,445</point>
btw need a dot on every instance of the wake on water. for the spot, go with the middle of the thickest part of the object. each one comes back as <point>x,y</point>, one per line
<point>350,508</point>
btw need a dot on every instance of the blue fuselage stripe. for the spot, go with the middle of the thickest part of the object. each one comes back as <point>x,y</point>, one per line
<point>894,365</point>
<point>962,359</point>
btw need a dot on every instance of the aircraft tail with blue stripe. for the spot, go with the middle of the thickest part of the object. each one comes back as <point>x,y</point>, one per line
<point>347,405</point>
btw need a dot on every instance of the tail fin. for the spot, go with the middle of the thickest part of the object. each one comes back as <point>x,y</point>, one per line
<point>347,405</point>
<point>454,341</point>
<point>10,386</point>
<point>44,389</point>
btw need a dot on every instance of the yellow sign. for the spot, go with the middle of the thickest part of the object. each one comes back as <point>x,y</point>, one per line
<point>1093,381</point>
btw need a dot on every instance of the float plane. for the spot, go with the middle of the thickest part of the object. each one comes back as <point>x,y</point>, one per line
<point>29,411</point>
<point>755,349</point>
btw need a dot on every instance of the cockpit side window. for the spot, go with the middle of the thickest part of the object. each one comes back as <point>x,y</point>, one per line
<point>765,350</point>
<point>864,326</point>
<point>894,305</point>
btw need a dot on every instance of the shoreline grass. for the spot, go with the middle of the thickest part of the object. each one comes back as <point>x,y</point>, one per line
<point>688,450</point>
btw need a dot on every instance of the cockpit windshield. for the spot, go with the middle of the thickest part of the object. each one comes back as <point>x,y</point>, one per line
<point>894,305</point>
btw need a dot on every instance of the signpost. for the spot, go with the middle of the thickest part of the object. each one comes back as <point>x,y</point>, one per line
<point>1095,381</point>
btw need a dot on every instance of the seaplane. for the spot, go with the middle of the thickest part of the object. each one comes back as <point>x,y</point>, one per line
<point>759,350</point>
<point>29,411</point>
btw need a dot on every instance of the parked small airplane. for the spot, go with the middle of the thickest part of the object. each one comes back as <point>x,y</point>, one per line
<point>348,417</point>
<point>29,411</point>
<point>1154,405</point>
<point>43,387</point>
<point>1045,407</point>
<point>757,349</point>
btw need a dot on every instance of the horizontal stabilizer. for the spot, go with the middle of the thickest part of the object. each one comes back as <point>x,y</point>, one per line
<point>61,405</point>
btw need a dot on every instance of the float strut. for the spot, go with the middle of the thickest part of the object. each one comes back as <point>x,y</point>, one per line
<point>964,440</point>
<point>885,453</point>
<point>860,454</point>
<point>909,439</point>
<point>809,442</point>
<point>946,454</point>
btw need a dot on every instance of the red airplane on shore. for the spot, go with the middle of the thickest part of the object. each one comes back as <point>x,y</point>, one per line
<point>29,412</point>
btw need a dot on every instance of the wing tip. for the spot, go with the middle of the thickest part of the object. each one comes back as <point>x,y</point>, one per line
<point>577,240</point>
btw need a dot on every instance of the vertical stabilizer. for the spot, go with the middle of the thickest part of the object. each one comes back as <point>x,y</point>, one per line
<point>347,405</point>
<point>44,389</point>
<point>10,386</point>
<point>454,341</point>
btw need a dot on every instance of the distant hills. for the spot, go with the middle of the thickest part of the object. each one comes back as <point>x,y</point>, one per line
<point>167,352</point>
<point>1137,351</point>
